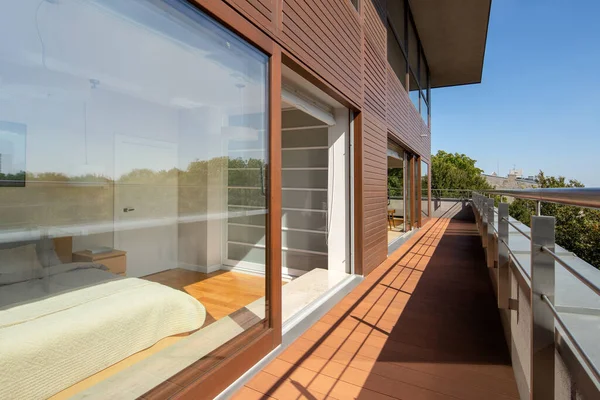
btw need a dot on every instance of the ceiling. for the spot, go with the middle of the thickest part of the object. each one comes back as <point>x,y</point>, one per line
<point>453,34</point>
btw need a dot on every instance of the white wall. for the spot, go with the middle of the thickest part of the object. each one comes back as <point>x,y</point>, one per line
<point>338,201</point>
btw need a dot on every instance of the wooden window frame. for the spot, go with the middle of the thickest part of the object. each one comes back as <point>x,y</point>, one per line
<point>242,352</point>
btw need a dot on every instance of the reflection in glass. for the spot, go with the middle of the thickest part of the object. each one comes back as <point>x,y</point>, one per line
<point>396,57</point>
<point>12,154</point>
<point>414,91</point>
<point>425,188</point>
<point>145,154</point>
<point>424,109</point>
<point>397,209</point>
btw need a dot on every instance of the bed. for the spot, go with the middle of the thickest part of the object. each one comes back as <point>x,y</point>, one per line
<point>72,320</point>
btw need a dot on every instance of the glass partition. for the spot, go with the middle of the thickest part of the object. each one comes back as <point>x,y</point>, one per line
<point>424,189</point>
<point>398,213</point>
<point>134,142</point>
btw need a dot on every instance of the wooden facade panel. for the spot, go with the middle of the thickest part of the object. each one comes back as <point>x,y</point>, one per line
<point>375,80</point>
<point>261,12</point>
<point>375,24</point>
<point>404,121</point>
<point>375,196</point>
<point>326,36</point>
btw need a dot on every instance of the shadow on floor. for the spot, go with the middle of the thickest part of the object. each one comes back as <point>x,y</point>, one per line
<point>422,326</point>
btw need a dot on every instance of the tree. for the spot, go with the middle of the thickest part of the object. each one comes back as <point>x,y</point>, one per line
<point>455,171</point>
<point>577,228</point>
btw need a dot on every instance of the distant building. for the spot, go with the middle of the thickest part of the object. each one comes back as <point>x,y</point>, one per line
<point>514,180</point>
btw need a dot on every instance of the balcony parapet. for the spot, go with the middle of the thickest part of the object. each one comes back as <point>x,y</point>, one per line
<point>550,312</point>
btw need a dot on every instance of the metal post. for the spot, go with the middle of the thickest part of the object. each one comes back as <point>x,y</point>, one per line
<point>542,319</point>
<point>503,257</point>
<point>490,233</point>
<point>484,223</point>
<point>538,208</point>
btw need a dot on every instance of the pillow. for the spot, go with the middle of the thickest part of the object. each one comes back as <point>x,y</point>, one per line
<point>44,247</point>
<point>47,254</point>
<point>19,260</point>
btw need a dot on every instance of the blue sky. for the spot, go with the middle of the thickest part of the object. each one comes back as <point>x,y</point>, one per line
<point>538,106</point>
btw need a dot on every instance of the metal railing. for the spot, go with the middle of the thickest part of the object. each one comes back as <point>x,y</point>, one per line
<point>541,280</point>
<point>579,197</point>
<point>458,194</point>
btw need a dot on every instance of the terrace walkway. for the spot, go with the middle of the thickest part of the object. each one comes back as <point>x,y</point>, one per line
<point>423,325</point>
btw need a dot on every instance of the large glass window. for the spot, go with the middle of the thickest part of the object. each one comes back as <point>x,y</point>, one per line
<point>418,86</point>
<point>137,132</point>
<point>396,57</point>
<point>396,36</point>
<point>413,47</point>
<point>414,90</point>
<point>397,207</point>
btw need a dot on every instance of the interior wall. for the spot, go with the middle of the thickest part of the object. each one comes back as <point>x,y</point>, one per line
<point>305,161</point>
<point>338,193</point>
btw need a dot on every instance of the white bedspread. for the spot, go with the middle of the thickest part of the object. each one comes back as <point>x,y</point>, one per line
<point>56,331</point>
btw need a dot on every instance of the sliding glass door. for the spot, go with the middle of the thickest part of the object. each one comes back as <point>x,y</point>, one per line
<point>135,148</point>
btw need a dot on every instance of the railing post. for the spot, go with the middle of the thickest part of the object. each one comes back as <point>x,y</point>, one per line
<point>542,319</point>
<point>538,208</point>
<point>503,257</point>
<point>490,233</point>
<point>484,224</point>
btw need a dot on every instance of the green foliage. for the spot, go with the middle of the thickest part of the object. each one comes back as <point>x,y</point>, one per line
<point>395,182</point>
<point>455,171</point>
<point>577,229</point>
<point>17,179</point>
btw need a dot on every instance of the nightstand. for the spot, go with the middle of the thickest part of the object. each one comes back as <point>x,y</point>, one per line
<point>115,260</point>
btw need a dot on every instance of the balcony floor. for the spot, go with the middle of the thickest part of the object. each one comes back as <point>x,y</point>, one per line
<point>423,325</point>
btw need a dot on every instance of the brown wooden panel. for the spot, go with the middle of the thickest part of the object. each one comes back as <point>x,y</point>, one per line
<point>325,35</point>
<point>260,12</point>
<point>404,121</point>
<point>375,197</point>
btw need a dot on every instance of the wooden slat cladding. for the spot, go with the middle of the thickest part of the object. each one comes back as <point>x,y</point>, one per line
<point>261,12</point>
<point>374,136</point>
<point>404,121</point>
<point>375,80</point>
<point>375,191</point>
<point>374,24</point>
<point>325,34</point>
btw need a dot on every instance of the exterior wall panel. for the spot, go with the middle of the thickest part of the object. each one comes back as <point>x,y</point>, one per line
<point>374,135</point>
<point>404,121</point>
<point>325,35</point>
<point>260,12</point>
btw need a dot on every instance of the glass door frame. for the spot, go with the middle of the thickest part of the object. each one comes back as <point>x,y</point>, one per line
<point>241,353</point>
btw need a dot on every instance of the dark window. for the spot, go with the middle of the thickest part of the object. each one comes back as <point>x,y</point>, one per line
<point>396,57</point>
<point>355,4</point>
<point>423,75</point>
<point>397,19</point>
<point>413,48</point>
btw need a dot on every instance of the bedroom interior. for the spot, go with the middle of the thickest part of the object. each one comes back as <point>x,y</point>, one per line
<point>136,246</point>
<point>110,253</point>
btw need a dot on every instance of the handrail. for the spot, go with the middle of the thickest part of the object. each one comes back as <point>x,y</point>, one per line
<point>573,271</point>
<point>582,353</point>
<point>515,226</point>
<point>580,197</point>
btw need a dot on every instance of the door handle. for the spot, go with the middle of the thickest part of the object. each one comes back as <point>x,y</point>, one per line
<point>128,209</point>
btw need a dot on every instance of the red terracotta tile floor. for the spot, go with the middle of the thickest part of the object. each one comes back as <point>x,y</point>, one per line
<point>423,325</point>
